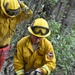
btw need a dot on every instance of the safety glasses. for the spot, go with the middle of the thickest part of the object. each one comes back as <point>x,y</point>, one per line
<point>39,30</point>
<point>13,12</point>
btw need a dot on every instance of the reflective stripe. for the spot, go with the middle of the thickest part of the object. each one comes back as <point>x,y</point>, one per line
<point>48,70</point>
<point>20,72</point>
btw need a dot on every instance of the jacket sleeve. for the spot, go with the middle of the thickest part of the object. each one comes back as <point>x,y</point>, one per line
<point>18,61</point>
<point>50,59</point>
<point>25,14</point>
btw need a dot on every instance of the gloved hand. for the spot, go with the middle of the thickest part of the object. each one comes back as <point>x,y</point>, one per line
<point>23,6</point>
<point>36,72</point>
<point>28,72</point>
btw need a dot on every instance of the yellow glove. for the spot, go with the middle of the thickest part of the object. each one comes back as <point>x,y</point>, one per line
<point>23,6</point>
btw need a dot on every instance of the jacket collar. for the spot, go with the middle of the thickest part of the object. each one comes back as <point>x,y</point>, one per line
<point>29,44</point>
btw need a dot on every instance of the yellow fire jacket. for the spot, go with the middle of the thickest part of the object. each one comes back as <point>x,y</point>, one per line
<point>26,58</point>
<point>8,25</point>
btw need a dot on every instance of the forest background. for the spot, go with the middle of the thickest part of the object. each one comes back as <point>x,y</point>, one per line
<point>60,15</point>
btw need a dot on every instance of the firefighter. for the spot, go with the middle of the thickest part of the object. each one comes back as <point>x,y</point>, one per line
<point>12,12</point>
<point>35,54</point>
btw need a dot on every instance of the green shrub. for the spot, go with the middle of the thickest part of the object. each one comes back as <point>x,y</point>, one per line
<point>64,46</point>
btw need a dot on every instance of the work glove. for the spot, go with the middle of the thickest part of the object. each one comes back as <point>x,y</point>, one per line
<point>36,72</point>
<point>28,72</point>
<point>23,6</point>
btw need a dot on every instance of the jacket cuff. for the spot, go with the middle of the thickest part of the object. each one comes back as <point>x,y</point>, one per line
<point>20,72</point>
<point>45,70</point>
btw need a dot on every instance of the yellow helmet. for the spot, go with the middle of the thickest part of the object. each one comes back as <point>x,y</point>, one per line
<point>10,7</point>
<point>39,28</point>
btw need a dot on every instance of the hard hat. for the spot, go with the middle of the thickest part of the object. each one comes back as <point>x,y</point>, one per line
<point>10,7</point>
<point>39,28</point>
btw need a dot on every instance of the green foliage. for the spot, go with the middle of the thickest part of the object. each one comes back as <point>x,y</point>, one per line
<point>64,46</point>
<point>55,29</point>
<point>52,2</point>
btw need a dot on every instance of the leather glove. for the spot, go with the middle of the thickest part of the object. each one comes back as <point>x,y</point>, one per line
<point>36,72</point>
<point>23,6</point>
<point>28,72</point>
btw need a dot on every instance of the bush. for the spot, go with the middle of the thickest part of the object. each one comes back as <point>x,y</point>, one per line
<point>64,48</point>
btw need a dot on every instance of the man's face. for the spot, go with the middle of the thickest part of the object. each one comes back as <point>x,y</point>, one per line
<point>35,40</point>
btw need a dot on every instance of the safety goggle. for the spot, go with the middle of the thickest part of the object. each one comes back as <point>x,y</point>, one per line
<point>39,30</point>
<point>13,12</point>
